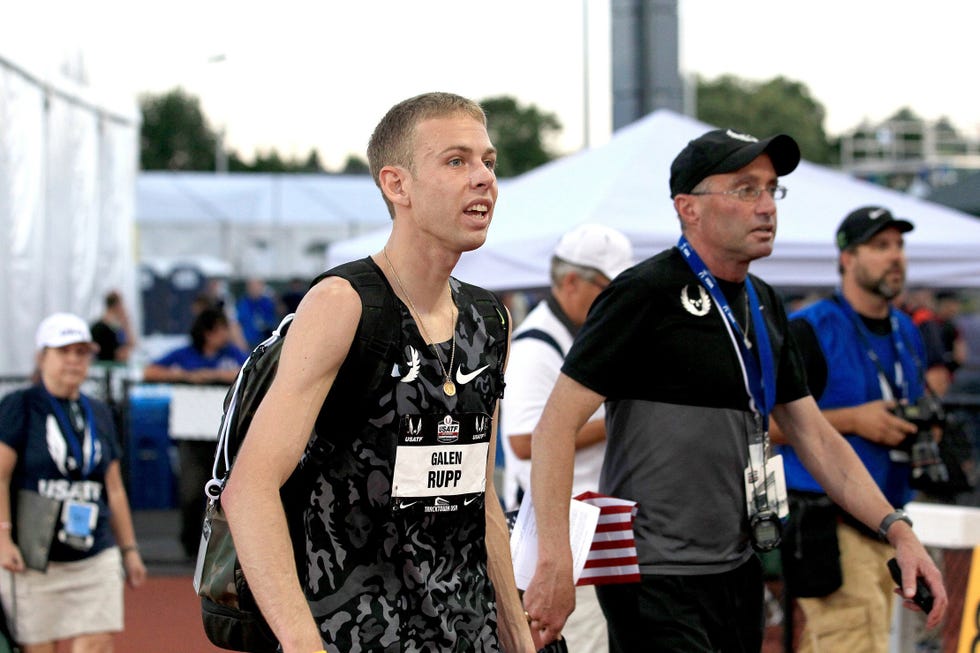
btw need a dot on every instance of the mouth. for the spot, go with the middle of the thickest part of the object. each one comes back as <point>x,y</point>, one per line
<point>479,210</point>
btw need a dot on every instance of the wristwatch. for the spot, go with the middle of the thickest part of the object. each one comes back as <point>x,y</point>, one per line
<point>891,518</point>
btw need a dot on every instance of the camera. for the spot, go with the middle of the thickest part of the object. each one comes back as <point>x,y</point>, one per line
<point>927,466</point>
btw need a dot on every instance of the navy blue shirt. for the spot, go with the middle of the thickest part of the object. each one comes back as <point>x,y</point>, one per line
<point>45,463</point>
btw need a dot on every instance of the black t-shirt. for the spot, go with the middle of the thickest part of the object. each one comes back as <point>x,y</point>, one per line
<point>107,339</point>
<point>678,418</point>
<point>639,342</point>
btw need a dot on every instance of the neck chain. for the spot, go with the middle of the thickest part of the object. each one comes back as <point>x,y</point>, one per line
<point>448,386</point>
<point>748,323</point>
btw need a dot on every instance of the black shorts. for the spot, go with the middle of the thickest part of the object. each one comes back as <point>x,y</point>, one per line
<point>690,614</point>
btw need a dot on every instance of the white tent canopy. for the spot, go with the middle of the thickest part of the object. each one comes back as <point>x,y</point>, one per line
<point>267,225</point>
<point>624,184</point>
<point>68,161</point>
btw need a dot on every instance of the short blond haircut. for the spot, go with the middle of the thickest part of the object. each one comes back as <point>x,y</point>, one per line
<point>393,140</point>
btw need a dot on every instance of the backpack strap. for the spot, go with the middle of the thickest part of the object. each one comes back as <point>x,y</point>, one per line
<point>543,336</point>
<point>379,330</point>
<point>494,317</point>
<point>490,309</point>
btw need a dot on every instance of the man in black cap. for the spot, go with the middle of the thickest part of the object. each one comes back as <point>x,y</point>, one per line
<point>863,357</point>
<point>691,355</point>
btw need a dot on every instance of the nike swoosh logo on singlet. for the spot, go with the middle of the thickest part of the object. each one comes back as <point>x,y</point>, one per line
<point>463,378</point>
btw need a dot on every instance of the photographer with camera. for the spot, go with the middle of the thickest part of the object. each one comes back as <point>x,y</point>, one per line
<point>864,363</point>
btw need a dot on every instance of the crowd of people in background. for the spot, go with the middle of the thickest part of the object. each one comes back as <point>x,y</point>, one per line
<point>949,321</point>
<point>619,367</point>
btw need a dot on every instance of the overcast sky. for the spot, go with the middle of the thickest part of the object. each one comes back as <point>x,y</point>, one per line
<point>298,75</point>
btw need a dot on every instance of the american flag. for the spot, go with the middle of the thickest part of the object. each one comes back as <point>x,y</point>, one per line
<point>612,558</point>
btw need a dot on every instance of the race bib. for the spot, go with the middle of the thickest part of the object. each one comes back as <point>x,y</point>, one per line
<point>441,461</point>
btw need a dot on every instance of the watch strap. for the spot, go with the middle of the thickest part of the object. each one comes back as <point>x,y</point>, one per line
<point>891,518</point>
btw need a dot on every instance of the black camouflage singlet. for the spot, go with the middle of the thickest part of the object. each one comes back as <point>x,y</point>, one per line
<point>394,524</point>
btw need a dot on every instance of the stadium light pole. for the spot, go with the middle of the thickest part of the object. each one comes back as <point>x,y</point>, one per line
<point>220,154</point>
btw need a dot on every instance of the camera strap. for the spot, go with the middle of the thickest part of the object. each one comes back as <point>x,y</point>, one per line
<point>896,386</point>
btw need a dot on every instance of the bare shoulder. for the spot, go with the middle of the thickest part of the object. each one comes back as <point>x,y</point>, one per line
<point>331,291</point>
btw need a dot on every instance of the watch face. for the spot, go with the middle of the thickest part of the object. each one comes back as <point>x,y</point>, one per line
<point>767,531</point>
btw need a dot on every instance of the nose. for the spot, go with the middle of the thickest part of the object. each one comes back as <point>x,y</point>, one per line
<point>766,203</point>
<point>482,176</point>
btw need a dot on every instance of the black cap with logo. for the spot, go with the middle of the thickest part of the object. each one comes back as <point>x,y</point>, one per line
<point>725,150</point>
<point>862,224</point>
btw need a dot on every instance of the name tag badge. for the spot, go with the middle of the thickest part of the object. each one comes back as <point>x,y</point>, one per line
<point>774,496</point>
<point>80,518</point>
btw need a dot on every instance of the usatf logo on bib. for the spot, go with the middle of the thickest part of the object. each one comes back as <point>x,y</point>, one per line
<point>448,431</point>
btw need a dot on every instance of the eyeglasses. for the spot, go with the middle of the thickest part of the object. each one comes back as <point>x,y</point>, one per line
<point>749,194</point>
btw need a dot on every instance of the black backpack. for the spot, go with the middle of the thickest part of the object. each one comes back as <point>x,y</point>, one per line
<point>231,617</point>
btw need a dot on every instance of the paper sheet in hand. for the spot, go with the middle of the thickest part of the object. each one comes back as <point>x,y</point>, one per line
<point>582,520</point>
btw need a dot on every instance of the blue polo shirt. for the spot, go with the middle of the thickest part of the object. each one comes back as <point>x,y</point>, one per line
<point>228,357</point>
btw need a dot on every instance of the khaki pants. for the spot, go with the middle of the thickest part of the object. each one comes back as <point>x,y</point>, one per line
<point>585,630</point>
<point>857,617</point>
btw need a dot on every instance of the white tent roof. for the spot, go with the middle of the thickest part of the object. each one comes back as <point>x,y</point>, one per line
<point>624,184</point>
<point>267,225</point>
<point>259,198</point>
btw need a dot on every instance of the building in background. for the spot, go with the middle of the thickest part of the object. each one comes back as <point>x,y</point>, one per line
<point>645,70</point>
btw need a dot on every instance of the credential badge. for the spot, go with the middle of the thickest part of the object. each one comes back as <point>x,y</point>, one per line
<point>698,307</point>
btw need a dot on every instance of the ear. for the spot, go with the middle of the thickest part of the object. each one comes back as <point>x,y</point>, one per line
<point>567,281</point>
<point>686,209</point>
<point>394,183</point>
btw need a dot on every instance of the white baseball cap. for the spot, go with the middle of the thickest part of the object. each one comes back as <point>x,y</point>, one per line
<point>60,329</point>
<point>596,246</point>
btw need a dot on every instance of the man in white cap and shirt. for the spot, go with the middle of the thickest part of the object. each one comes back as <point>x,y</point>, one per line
<point>585,260</point>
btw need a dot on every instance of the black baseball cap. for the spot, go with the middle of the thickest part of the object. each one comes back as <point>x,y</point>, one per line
<point>725,150</point>
<point>862,224</point>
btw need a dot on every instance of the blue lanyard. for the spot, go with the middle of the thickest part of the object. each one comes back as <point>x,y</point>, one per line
<point>900,386</point>
<point>760,372</point>
<point>77,447</point>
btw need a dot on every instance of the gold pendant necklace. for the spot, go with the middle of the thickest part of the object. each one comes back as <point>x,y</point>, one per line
<point>447,386</point>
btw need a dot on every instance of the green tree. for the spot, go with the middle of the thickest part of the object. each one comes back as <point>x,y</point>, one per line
<point>766,108</point>
<point>519,134</point>
<point>175,135</point>
<point>272,161</point>
<point>909,128</point>
<point>948,139</point>
<point>355,165</point>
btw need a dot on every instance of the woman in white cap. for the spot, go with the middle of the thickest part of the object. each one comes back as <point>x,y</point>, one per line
<point>59,454</point>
